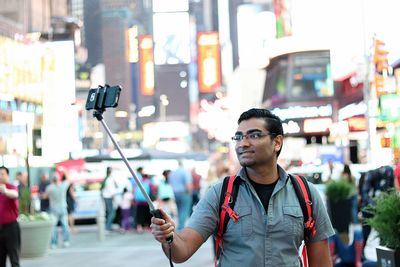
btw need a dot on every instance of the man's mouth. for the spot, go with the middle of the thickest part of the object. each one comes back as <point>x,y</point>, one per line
<point>245,153</point>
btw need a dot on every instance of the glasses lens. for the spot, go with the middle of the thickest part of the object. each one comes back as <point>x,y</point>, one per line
<point>237,137</point>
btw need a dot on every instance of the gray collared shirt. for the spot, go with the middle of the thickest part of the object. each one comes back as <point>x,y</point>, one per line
<point>257,238</point>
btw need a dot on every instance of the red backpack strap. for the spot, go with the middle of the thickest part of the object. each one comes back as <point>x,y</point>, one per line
<point>300,185</point>
<point>227,201</point>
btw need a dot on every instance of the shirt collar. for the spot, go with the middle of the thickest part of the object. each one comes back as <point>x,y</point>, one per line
<point>283,176</point>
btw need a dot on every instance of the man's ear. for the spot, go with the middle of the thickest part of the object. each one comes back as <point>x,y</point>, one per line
<point>278,142</point>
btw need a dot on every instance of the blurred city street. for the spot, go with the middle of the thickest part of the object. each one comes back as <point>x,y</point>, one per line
<point>116,250</point>
<point>113,109</point>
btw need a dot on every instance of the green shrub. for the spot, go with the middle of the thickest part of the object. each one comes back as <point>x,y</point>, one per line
<point>338,190</point>
<point>386,218</point>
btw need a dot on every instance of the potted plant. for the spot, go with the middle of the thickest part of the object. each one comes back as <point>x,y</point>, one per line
<point>385,220</point>
<point>36,227</point>
<point>338,194</point>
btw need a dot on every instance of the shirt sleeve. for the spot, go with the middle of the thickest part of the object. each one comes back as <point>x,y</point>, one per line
<point>205,216</point>
<point>323,225</point>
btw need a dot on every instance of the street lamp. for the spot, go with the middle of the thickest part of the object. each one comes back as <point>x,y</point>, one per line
<point>163,107</point>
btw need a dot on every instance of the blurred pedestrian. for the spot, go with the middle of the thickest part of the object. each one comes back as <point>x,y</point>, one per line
<point>143,215</point>
<point>23,192</point>
<point>71,202</point>
<point>109,189</point>
<point>196,187</point>
<point>126,203</point>
<point>57,195</point>
<point>331,171</point>
<point>397,177</point>
<point>350,179</point>
<point>10,235</point>
<point>166,197</point>
<point>44,202</point>
<point>181,182</point>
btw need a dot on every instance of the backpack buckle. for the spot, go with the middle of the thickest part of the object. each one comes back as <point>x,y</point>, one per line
<point>310,226</point>
<point>232,214</point>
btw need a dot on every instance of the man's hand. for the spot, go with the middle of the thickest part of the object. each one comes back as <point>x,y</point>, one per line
<point>10,193</point>
<point>162,228</point>
<point>3,189</point>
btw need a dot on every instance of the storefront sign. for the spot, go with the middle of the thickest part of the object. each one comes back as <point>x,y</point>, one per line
<point>354,109</point>
<point>320,125</point>
<point>299,112</point>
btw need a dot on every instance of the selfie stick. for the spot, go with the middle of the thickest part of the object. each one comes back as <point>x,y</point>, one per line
<point>98,114</point>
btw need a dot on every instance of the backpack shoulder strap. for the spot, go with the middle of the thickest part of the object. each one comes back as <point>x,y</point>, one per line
<point>227,202</point>
<point>302,190</point>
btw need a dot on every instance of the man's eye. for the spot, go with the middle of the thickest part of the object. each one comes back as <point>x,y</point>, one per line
<point>254,135</point>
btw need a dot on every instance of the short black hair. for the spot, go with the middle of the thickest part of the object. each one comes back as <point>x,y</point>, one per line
<point>272,122</point>
<point>6,169</point>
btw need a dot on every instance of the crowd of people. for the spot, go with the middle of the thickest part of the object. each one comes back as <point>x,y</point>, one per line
<point>177,191</point>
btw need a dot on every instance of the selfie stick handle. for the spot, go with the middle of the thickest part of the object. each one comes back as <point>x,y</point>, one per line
<point>155,212</point>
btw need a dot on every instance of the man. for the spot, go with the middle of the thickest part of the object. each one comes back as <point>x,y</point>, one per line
<point>269,230</point>
<point>57,195</point>
<point>44,202</point>
<point>10,237</point>
<point>181,182</point>
<point>108,192</point>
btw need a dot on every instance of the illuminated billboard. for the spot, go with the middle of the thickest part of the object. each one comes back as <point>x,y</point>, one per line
<point>209,62</point>
<point>171,43</point>
<point>146,65</point>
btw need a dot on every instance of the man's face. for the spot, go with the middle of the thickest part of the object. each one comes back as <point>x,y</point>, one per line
<point>43,178</point>
<point>256,151</point>
<point>3,176</point>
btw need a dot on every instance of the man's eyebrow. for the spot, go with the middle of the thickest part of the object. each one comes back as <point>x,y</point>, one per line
<point>250,131</point>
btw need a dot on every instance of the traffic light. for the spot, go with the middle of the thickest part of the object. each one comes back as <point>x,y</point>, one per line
<point>380,56</point>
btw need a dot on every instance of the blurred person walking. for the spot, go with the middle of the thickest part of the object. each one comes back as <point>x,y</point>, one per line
<point>23,191</point>
<point>44,202</point>
<point>166,197</point>
<point>196,187</point>
<point>270,226</point>
<point>181,182</point>
<point>108,191</point>
<point>349,178</point>
<point>10,235</point>
<point>125,205</point>
<point>56,192</point>
<point>143,215</point>
<point>71,202</point>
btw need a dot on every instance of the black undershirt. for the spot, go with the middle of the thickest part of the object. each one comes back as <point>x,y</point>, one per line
<point>264,192</point>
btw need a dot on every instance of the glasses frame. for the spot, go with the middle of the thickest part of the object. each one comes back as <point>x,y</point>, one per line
<point>248,136</point>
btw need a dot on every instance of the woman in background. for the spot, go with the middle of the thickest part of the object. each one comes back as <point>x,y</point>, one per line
<point>71,200</point>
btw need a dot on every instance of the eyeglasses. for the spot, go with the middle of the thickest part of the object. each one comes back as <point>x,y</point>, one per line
<point>252,136</point>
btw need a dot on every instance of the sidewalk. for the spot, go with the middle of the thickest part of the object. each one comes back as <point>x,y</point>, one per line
<point>122,250</point>
<point>130,249</point>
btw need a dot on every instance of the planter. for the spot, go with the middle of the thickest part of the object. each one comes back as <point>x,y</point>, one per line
<point>35,238</point>
<point>340,214</point>
<point>387,257</point>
